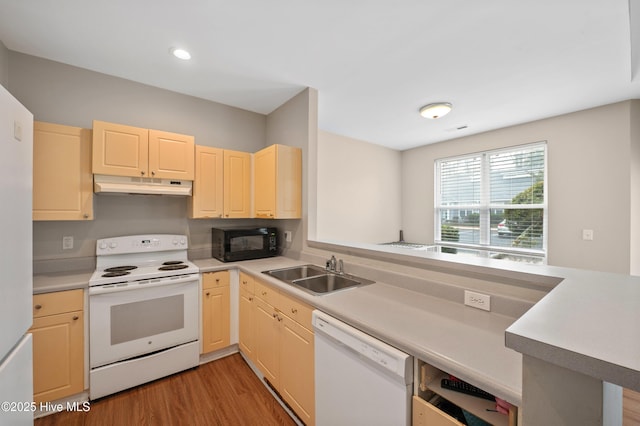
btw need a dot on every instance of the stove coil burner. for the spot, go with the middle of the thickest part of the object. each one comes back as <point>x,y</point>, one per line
<point>173,267</point>
<point>173,262</point>
<point>118,271</point>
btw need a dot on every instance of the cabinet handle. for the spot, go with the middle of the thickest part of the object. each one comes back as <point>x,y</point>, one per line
<point>279,318</point>
<point>264,293</point>
<point>275,315</point>
<point>244,282</point>
<point>142,172</point>
<point>86,216</point>
<point>218,280</point>
<point>207,293</point>
<point>251,299</point>
<point>153,173</point>
<point>75,317</point>
<point>38,307</point>
<point>294,311</point>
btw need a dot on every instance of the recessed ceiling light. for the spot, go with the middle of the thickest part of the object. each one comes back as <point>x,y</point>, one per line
<point>435,110</point>
<point>180,53</point>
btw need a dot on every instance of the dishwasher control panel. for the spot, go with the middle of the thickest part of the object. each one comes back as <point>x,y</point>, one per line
<point>386,356</point>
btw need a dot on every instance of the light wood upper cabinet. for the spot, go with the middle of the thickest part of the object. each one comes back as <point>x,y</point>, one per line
<point>207,199</point>
<point>237,184</point>
<point>171,155</point>
<point>216,304</point>
<point>121,150</point>
<point>58,345</point>
<point>62,179</point>
<point>277,182</point>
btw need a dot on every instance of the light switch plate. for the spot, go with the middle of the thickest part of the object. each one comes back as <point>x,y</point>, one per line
<point>477,300</point>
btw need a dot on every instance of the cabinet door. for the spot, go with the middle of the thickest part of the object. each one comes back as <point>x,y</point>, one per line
<point>62,178</point>
<point>264,182</point>
<point>297,369</point>
<point>215,318</point>
<point>120,150</point>
<point>171,155</point>
<point>237,184</point>
<point>58,356</point>
<point>207,198</point>
<point>267,334</point>
<point>278,182</point>
<point>247,337</point>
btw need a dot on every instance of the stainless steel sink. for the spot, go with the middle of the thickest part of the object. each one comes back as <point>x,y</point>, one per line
<point>317,280</point>
<point>296,272</point>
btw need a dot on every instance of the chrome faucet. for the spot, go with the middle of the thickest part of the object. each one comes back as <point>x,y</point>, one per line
<point>334,265</point>
<point>331,264</point>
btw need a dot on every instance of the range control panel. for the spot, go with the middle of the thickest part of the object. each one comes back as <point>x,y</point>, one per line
<point>140,244</point>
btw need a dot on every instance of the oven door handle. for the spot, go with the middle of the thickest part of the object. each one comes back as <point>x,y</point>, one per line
<point>142,284</point>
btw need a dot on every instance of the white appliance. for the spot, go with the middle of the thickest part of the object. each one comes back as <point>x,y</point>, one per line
<point>143,312</point>
<point>359,379</point>
<point>16,281</point>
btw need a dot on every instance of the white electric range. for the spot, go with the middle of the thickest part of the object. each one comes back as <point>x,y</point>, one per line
<point>143,312</point>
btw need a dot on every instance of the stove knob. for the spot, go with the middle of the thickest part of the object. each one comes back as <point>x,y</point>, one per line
<point>175,241</point>
<point>183,241</point>
<point>103,245</point>
<point>113,245</point>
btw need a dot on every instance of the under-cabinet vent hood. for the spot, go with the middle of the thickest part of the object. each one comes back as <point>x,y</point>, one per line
<point>133,185</point>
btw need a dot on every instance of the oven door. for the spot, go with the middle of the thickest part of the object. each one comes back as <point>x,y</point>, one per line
<point>128,321</point>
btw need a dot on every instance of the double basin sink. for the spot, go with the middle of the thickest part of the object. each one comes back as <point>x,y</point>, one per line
<point>316,280</point>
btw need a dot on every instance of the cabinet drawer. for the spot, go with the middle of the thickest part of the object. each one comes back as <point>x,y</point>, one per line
<point>295,309</point>
<point>267,293</point>
<point>215,279</point>
<point>425,414</point>
<point>57,303</point>
<point>246,282</point>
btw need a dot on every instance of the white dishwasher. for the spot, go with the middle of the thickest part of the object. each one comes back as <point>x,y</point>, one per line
<point>359,379</point>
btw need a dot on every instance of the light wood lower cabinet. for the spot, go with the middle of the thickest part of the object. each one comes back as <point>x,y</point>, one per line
<point>58,345</point>
<point>216,301</point>
<point>247,333</point>
<point>284,348</point>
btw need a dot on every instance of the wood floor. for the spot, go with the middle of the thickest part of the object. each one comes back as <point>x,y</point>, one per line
<point>223,392</point>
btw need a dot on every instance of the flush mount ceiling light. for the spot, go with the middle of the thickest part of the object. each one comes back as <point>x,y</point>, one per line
<point>435,110</point>
<point>180,53</point>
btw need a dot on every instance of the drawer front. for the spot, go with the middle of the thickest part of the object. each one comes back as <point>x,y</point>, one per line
<point>246,282</point>
<point>297,310</point>
<point>215,279</point>
<point>425,414</point>
<point>58,302</point>
<point>266,293</point>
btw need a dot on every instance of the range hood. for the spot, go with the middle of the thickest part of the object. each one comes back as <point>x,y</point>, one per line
<point>134,185</point>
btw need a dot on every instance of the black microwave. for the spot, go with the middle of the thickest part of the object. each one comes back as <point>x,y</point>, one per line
<point>232,244</point>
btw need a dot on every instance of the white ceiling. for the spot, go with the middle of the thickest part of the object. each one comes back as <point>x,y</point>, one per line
<point>374,62</point>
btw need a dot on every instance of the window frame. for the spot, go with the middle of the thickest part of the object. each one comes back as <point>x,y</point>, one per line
<point>485,207</point>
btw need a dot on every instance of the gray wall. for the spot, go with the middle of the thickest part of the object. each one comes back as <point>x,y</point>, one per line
<point>295,124</point>
<point>590,165</point>
<point>4,66</point>
<point>68,95</point>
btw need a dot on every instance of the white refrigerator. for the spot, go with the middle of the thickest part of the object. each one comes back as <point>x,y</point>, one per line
<point>16,270</point>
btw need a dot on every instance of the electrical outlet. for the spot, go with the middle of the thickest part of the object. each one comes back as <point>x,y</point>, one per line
<point>17,131</point>
<point>287,236</point>
<point>67,243</point>
<point>477,300</point>
<point>587,234</point>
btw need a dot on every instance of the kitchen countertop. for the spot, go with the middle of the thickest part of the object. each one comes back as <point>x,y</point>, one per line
<point>463,341</point>
<point>589,323</point>
<point>60,281</point>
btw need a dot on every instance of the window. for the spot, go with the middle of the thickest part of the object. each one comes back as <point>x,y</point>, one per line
<point>494,200</point>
